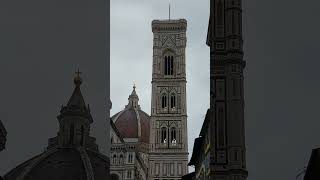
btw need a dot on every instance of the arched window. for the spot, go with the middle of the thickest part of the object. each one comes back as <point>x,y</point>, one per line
<point>114,159</point>
<point>114,177</point>
<point>130,158</point>
<point>82,136</point>
<point>163,135</point>
<point>129,174</point>
<point>164,101</point>
<point>173,136</point>
<point>121,159</point>
<point>71,134</point>
<point>173,101</point>
<point>168,65</point>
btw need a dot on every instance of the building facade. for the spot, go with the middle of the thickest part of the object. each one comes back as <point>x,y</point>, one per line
<point>228,152</point>
<point>222,138</point>
<point>200,158</point>
<point>168,157</point>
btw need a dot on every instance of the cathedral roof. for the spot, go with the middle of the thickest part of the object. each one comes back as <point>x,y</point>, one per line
<point>132,122</point>
<point>312,172</point>
<point>72,154</point>
<point>3,136</point>
<point>62,163</point>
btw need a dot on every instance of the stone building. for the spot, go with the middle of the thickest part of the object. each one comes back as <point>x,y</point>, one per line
<point>225,117</point>
<point>73,153</point>
<point>130,141</point>
<point>228,150</point>
<point>3,137</point>
<point>156,147</point>
<point>200,158</point>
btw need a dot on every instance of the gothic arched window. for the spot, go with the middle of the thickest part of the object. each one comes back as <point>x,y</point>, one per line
<point>168,65</point>
<point>71,133</point>
<point>173,101</point>
<point>82,136</point>
<point>114,159</point>
<point>164,101</point>
<point>130,158</point>
<point>121,159</point>
<point>163,135</point>
<point>173,136</point>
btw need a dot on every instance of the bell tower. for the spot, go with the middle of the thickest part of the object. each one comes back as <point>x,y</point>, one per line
<point>168,132</point>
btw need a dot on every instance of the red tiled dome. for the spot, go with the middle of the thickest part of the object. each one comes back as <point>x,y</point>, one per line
<point>132,122</point>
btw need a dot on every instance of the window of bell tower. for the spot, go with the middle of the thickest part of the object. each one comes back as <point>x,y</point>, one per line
<point>164,101</point>
<point>168,65</point>
<point>173,101</point>
<point>173,136</point>
<point>163,135</point>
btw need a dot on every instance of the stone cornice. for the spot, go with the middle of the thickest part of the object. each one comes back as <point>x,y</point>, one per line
<point>169,25</point>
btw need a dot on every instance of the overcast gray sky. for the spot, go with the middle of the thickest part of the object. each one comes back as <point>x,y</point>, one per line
<point>42,43</point>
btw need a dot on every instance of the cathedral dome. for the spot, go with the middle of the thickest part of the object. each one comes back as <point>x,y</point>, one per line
<point>63,163</point>
<point>73,153</point>
<point>132,122</point>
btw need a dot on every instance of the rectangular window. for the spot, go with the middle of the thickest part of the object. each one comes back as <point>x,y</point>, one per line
<point>234,84</point>
<point>172,169</point>
<point>165,166</point>
<point>157,166</point>
<point>221,127</point>
<point>179,169</point>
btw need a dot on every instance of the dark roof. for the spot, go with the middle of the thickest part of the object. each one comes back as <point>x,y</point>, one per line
<point>189,176</point>
<point>205,125</point>
<point>3,136</point>
<point>114,127</point>
<point>196,151</point>
<point>62,163</point>
<point>76,104</point>
<point>313,169</point>
<point>2,128</point>
<point>210,26</point>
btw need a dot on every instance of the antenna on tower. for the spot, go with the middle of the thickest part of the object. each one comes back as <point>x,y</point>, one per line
<point>169,9</point>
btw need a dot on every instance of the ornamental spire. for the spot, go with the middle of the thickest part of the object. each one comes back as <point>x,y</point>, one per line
<point>77,99</point>
<point>133,99</point>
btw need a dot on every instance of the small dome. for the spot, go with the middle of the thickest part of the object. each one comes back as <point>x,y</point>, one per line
<point>63,163</point>
<point>132,122</point>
